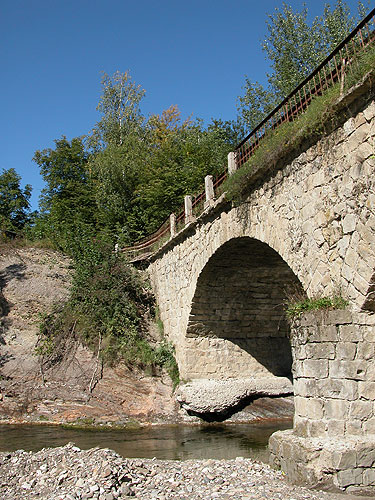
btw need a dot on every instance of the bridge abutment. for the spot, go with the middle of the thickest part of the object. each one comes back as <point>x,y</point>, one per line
<point>333,438</point>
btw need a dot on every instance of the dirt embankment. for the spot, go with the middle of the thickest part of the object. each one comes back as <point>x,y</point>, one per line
<point>31,281</point>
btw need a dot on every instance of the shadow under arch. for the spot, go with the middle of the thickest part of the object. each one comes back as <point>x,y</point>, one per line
<point>238,307</point>
<point>369,303</point>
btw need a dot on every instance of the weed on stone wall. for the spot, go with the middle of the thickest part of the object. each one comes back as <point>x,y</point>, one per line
<point>294,309</point>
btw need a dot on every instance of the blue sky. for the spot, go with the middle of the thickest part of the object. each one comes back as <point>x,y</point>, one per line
<point>191,53</point>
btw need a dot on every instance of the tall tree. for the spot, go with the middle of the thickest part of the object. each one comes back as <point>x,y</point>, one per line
<point>14,201</point>
<point>294,47</point>
<point>67,202</point>
<point>119,106</point>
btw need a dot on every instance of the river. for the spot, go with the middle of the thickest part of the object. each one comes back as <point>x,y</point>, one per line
<point>182,442</point>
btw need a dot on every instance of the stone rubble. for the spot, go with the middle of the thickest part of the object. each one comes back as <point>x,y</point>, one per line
<point>68,473</point>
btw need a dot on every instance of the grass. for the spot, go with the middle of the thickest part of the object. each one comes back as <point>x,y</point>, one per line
<point>314,122</point>
<point>294,309</point>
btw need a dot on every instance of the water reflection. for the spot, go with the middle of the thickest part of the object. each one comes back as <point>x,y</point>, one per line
<point>176,443</point>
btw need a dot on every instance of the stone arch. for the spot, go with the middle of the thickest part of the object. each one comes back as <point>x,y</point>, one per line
<point>237,325</point>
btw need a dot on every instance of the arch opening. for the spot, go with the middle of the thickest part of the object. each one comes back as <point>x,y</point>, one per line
<point>237,325</point>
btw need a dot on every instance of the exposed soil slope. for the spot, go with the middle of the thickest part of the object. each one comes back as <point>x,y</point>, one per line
<point>31,281</point>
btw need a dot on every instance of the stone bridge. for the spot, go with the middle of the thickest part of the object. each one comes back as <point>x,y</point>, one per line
<point>305,229</point>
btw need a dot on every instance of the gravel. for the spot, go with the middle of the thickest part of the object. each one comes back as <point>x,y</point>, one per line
<point>69,473</point>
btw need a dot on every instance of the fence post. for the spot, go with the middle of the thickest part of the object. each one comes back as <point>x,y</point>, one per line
<point>188,209</point>
<point>172,225</point>
<point>232,166</point>
<point>209,190</point>
<point>343,62</point>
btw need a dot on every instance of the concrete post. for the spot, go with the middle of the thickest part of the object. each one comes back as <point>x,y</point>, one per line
<point>209,189</point>
<point>172,225</point>
<point>188,209</point>
<point>232,166</point>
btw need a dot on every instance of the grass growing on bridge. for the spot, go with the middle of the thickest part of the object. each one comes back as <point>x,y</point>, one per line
<point>318,119</point>
<point>294,309</point>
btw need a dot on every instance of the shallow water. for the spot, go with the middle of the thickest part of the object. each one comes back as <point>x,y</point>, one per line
<point>181,442</point>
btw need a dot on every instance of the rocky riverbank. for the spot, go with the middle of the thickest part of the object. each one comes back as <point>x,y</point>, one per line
<point>68,473</point>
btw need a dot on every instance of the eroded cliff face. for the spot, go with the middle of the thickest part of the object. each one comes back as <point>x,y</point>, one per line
<point>77,386</point>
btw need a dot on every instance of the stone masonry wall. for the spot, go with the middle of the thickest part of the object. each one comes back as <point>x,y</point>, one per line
<point>333,439</point>
<point>316,212</point>
<point>334,374</point>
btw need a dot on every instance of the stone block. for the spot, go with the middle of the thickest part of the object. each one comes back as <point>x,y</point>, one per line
<point>300,352</point>
<point>344,459</point>
<point>314,408</point>
<point>335,427</point>
<point>367,390</point>
<point>342,245</point>
<point>317,428</point>
<point>349,126</point>
<point>300,426</point>
<point>349,477</point>
<point>336,409</point>
<point>355,370</point>
<point>362,410</point>
<point>324,350</point>
<point>329,333</point>
<point>363,151</point>
<point>354,428</point>
<point>361,284</point>
<point>346,350</point>
<point>347,272</point>
<point>361,133</point>
<point>369,477</point>
<point>300,406</point>
<point>368,332</point>
<point>350,333</point>
<point>366,457</point>
<point>349,223</point>
<point>369,426</point>
<point>340,317</point>
<point>315,368</point>
<point>305,387</point>
<point>338,389</point>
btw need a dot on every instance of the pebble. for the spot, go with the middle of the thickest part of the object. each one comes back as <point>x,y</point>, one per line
<point>68,473</point>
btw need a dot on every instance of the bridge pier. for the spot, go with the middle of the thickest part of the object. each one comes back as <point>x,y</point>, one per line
<point>333,438</point>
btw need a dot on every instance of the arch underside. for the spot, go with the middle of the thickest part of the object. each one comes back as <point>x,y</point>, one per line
<point>237,325</point>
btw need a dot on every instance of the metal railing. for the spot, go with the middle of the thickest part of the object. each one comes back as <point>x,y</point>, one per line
<point>332,70</point>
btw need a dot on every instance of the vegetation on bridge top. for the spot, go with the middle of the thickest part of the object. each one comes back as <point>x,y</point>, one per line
<point>319,117</point>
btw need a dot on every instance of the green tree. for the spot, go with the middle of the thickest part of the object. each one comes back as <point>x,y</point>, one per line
<point>67,202</point>
<point>14,201</point>
<point>294,47</point>
<point>119,106</point>
<point>181,155</point>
